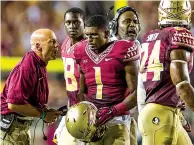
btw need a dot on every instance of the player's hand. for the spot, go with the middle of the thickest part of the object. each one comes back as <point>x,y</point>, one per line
<point>104,114</point>
<point>186,125</point>
<point>45,107</point>
<point>64,110</point>
<point>52,115</point>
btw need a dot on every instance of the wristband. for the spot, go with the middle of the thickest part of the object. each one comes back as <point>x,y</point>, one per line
<point>43,115</point>
<point>120,109</point>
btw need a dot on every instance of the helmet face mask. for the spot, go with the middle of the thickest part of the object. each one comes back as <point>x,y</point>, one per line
<point>97,135</point>
<point>80,121</point>
<point>174,13</point>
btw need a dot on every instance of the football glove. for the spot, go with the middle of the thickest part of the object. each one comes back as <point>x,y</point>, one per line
<point>105,114</point>
<point>185,123</point>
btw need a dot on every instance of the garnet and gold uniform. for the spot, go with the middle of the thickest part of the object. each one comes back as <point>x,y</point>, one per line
<point>106,85</point>
<point>159,120</point>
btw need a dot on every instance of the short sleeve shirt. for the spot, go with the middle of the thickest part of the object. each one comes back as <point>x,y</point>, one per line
<point>26,84</point>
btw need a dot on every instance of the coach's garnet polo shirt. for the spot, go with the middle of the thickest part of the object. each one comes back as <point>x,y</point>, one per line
<point>26,84</point>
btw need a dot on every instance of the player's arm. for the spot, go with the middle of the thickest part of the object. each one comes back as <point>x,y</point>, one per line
<point>78,53</point>
<point>131,71</point>
<point>83,88</point>
<point>107,113</point>
<point>141,93</point>
<point>180,76</point>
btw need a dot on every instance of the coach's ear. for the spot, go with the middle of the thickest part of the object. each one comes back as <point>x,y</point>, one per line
<point>107,34</point>
<point>38,47</point>
<point>139,28</point>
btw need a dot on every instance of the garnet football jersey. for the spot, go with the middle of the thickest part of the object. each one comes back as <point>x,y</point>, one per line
<point>71,71</point>
<point>104,73</point>
<point>155,63</point>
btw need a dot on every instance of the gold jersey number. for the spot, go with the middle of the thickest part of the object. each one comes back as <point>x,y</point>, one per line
<point>69,70</point>
<point>154,65</point>
<point>98,82</point>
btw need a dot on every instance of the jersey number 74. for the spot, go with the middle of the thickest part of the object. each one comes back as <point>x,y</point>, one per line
<point>151,66</point>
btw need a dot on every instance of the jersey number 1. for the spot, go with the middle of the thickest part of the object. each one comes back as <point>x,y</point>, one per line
<point>151,63</point>
<point>98,82</point>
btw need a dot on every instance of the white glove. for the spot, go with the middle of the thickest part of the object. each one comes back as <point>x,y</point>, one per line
<point>141,94</point>
<point>59,129</point>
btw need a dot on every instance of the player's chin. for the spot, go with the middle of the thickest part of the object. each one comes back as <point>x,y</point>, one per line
<point>73,35</point>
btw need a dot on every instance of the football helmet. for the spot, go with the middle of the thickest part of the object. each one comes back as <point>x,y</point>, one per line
<point>175,13</point>
<point>80,122</point>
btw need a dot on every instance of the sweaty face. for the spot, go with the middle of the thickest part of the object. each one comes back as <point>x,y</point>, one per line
<point>96,37</point>
<point>50,48</point>
<point>128,26</point>
<point>74,25</point>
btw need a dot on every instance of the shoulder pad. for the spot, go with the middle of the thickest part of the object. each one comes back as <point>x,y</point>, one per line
<point>79,50</point>
<point>128,49</point>
<point>182,37</point>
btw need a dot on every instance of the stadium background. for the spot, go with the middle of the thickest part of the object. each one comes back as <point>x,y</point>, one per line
<point>20,18</point>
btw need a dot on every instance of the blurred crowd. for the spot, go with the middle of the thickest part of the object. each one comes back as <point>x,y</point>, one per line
<point>20,18</point>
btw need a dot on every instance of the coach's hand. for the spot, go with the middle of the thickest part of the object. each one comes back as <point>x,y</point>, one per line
<point>105,114</point>
<point>52,115</point>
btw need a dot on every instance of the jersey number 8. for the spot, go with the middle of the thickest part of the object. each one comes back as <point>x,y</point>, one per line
<point>69,71</point>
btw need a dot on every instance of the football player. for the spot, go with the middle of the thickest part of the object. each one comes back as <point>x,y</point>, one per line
<point>74,25</point>
<point>166,60</point>
<point>107,70</point>
<point>126,26</point>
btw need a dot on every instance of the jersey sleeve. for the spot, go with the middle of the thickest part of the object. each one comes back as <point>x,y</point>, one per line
<point>181,38</point>
<point>63,47</point>
<point>131,52</point>
<point>78,52</point>
<point>141,93</point>
<point>126,51</point>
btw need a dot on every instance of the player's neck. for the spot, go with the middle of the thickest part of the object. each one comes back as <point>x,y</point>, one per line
<point>102,48</point>
<point>74,41</point>
<point>98,51</point>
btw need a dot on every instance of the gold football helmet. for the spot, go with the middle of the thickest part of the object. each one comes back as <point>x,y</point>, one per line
<point>173,12</point>
<point>80,122</point>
